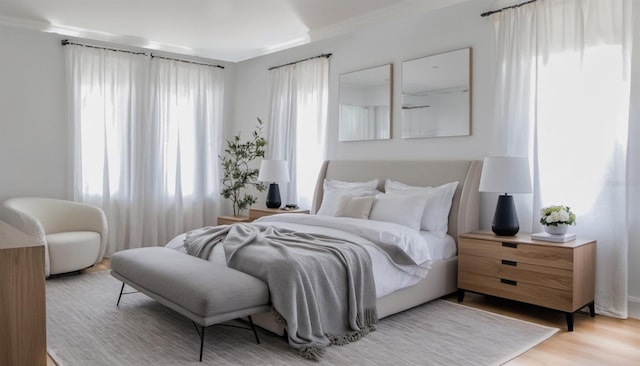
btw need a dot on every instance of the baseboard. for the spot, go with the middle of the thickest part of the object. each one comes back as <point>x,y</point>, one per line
<point>634,307</point>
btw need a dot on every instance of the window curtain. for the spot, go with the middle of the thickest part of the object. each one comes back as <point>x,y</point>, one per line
<point>563,99</point>
<point>146,132</point>
<point>298,117</point>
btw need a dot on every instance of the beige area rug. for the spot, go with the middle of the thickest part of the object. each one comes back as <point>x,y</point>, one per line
<point>84,327</point>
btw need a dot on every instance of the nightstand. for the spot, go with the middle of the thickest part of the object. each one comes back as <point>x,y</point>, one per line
<point>254,213</point>
<point>228,220</point>
<point>558,276</point>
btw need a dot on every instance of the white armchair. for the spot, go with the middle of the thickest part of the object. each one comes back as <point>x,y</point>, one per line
<point>74,234</point>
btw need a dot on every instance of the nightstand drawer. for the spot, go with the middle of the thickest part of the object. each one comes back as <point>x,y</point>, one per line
<point>548,256</point>
<point>519,291</point>
<point>557,278</point>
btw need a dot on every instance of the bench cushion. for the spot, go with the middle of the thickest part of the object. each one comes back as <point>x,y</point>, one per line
<point>205,292</point>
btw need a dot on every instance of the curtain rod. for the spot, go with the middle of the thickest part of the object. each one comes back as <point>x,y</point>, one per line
<point>65,42</point>
<point>327,55</point>
<point>508,7</point>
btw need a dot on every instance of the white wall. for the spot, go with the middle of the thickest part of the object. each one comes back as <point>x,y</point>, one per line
<point>33,130</point>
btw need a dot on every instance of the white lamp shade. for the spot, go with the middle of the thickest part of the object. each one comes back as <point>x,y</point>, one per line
<point>505,175</point>
<point>273,171</point>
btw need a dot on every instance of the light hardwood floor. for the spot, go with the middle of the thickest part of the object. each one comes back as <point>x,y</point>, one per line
<point>595,341</point>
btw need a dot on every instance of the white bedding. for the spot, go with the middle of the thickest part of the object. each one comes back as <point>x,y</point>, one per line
<point>422,247</point>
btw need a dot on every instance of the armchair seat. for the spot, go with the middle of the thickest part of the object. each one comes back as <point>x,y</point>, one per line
<point>72,250</point>
<point>74,234</point>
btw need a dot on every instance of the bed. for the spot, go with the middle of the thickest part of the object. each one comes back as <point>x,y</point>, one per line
<point>463,216</point>
<point>441,278</point>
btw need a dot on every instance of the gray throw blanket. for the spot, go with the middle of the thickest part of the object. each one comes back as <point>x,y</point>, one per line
<point>321,286</point>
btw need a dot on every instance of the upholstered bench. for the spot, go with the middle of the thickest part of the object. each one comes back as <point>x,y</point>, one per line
<point>205,292</point>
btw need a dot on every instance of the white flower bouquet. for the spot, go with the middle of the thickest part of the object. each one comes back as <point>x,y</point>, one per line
<point>556,215</point>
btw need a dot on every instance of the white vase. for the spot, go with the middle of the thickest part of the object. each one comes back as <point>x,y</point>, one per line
<point>561,229</point>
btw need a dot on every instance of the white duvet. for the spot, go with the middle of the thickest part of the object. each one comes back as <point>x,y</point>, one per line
<point>389,277</point>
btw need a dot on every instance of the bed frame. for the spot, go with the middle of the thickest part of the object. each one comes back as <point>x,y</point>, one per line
<point>464,217</point>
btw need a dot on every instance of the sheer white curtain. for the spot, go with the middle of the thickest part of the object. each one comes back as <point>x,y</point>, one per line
<point>562,98</point>
<point>146,136</point>
<point>298,118</point>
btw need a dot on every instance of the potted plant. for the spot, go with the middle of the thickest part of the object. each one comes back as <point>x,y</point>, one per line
<point>556,219</point>
<point>239,173</point>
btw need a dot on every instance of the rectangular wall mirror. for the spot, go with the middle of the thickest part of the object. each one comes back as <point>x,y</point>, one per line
<point>365,104</point>
<point>436,95</point>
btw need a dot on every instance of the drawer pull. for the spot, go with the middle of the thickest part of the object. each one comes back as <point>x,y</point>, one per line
<point>510,245</point>
<point>509,282</point>
<point>509,263</point>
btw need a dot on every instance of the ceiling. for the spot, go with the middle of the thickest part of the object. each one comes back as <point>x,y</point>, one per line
<point>226,30</point>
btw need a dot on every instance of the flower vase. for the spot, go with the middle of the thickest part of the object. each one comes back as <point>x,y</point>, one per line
<point>560,229</point>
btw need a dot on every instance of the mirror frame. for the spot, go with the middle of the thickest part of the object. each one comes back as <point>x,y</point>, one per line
<point>446,89</point>
<point>389,83</point>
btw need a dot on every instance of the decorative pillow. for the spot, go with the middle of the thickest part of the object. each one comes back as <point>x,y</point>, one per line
<point>405,210</point>
<point>356,207</point>
<point>333,190</point>
<point>436,212</point>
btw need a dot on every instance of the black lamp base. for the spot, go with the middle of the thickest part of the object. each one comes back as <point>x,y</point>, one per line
<point>273,196</point>
<point>505,220</point>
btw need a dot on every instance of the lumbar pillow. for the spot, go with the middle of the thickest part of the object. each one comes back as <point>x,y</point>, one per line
<point>436,211</point>
<point>333,190</point>
<point>356,207</point>
<point>405,210</point>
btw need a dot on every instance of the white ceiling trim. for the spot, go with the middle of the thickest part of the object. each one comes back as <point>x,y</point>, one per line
<point>338,29</point>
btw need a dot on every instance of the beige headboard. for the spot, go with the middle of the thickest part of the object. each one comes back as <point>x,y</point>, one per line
<point>464,215</point>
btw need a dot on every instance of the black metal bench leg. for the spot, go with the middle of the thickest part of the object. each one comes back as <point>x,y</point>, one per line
<point>201,334</point>
<point>254,330</point>
<point>120,296</point>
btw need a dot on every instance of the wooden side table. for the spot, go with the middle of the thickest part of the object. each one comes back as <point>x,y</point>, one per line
<point>558,276</point>
<point>228,220</point>
<point>255,213</point>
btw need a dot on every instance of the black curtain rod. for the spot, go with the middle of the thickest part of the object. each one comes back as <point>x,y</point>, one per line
<point>65,42</point>
<point>327,55</point>
<point>505,8</point>
<point>186,61</point>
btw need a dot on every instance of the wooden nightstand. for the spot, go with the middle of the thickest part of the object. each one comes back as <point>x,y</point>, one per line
<point>559,276</point>
<point>254,213</point>
<point>228,220</point>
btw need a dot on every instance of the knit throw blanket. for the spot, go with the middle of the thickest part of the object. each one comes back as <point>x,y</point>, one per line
<point>322,287</point>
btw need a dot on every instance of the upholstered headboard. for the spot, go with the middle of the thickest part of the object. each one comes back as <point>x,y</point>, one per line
<point>464,215</point>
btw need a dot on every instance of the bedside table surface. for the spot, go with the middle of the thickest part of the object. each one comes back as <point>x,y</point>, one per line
<point>525,238</point>
<point>227,220</point>
<point>255,213</point>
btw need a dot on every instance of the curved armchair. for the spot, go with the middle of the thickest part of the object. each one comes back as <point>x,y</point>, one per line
<point>74,234</point>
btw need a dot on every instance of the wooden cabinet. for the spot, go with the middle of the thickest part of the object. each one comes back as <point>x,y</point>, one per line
<point>559,276</point>
<point>255,213</point>
<point>23,338</point>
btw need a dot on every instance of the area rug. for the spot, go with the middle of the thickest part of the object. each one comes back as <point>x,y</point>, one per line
<point>84,327</point>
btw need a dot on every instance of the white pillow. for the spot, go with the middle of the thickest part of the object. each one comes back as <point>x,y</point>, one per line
<point>333,190</point>
<point>405,210</point>
<point>356,207</point>
<point>436,212</point>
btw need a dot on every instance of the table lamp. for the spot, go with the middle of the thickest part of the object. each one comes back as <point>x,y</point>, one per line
<point>273,171</point>
<point>505,175</point>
